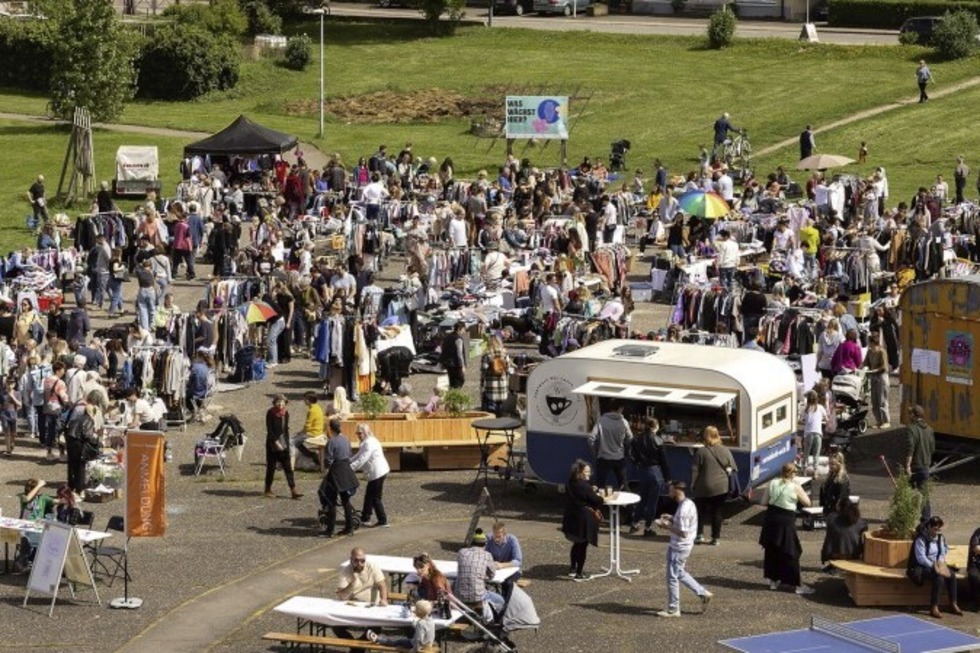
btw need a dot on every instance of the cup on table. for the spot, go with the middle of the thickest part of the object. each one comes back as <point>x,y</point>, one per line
<point>609,490</point>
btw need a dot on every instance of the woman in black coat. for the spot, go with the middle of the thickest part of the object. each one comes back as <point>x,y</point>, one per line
<point>580,523</point>
<point>277,446</point>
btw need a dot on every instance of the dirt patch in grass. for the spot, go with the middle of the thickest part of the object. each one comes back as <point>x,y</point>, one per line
<point>420,106</point>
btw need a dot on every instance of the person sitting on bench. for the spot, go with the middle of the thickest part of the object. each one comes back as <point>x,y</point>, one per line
<point>423,637</point>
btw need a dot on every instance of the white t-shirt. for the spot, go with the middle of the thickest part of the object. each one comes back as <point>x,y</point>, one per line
<point>374,192</point>
<point>813,420</point>
<point>457,233</point>
<point>727,253</point>
<point>549,299</point>
<point>726,187</point>
<point>686,520</point>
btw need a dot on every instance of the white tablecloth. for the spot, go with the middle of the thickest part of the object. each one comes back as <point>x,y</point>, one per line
<point>331,612</point>
<point>84,535</point>
<point>403,566</point>
<point>403,339</point>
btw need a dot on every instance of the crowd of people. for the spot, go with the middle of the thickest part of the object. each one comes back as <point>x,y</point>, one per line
<point>527,255</point>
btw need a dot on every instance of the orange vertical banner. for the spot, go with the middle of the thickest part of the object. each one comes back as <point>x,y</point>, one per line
<point>145,498</point>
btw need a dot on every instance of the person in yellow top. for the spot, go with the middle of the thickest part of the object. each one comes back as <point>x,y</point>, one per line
<point>653,199</point>
<point>810,244</point>
<point>312,433</point>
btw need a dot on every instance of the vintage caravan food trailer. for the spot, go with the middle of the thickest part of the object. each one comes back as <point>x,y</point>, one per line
<point>749,396</point>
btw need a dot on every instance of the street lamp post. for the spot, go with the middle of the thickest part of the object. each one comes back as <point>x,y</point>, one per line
<point>321,12</point>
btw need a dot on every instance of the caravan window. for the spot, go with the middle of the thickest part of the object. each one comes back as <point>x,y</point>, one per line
<point>774,420</point>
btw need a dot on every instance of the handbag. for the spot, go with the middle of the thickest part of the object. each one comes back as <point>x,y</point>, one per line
<point>278,443</point>
<point>734,484</point>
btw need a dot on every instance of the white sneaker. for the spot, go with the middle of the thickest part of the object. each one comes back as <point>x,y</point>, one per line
<point>272,364</point>
<point>805,590</point>
<point>774,584</point>
<point>669,613</point>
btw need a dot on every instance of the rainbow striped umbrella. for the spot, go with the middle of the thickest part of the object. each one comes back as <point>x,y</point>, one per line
<point>704,204</point>
<point>258,311</point>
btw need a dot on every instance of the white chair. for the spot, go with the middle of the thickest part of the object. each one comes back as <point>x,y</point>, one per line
<point>209,449</point>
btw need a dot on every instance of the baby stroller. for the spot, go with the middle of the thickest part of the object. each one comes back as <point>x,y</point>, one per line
<point>519,614</point>
<point>848,429</point>
<point>617,156</point>
<point>851,393</point>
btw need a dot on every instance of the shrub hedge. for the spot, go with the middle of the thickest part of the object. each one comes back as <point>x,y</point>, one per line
<point>26,50</point>
<point>890,14</point>
<point>184,62</point>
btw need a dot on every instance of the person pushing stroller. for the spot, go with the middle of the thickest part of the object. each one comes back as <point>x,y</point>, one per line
<point>339,482</point>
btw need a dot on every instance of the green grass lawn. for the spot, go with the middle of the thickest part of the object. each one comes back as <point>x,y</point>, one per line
<point>661,93</point>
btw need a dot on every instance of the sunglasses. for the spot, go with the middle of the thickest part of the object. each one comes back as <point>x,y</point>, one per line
<point>358,561</point>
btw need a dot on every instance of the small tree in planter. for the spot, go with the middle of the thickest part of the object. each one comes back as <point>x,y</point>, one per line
<point>889,546</point>
<point>456,402</point>
<point>373,404</point>
<point>905,510</point>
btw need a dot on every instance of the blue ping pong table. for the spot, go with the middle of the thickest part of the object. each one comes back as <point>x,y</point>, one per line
<point>896,634</point>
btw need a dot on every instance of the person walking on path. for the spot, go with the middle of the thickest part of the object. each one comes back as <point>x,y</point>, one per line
<point>682,526</point>
<point>960,175</point>
<point>877,362</point>
<point>920,446</point>
<point>370,458</point>
<point>923,76</point>
<point>277,446</point>
<point>807,143</point>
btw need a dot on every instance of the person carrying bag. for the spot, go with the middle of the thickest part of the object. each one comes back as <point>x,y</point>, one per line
<point>277,447</point>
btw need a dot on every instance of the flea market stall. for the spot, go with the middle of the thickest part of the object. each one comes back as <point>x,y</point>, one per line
<point>749,396</point>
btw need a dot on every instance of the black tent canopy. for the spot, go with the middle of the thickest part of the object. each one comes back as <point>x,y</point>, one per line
<point>243,137</point>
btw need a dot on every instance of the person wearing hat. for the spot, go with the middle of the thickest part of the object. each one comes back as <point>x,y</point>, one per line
<point>475,566</point>
<point>277,447</point>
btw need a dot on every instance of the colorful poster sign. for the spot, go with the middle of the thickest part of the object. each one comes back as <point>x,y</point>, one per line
<point>145,513</point>
<point>959,357</point>
<point>536,116</point>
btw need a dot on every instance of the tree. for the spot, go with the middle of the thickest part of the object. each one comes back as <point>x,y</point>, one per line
<point>183,62</point>
<point>92,62</point>
<point>432,11</point>
<point>956,36</point>
<point>721,28</point>
<point>218,17</point>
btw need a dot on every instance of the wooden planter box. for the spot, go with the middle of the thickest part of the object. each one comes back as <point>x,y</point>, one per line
<point>409,430</point>
<point>883,552</point>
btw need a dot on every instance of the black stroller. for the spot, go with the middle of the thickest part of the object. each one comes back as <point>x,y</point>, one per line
<point>617,156</point>
<point>848,428</point>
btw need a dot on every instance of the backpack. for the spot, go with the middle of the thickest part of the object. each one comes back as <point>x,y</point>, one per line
<point>374,164</point>
<point>498,366</point>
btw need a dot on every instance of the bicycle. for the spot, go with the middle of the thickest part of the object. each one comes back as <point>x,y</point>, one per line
<point>738,150</point>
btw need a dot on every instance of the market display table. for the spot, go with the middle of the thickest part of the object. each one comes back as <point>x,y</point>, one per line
<point>615,502</point>
<point>399,568</point>
<point>11,531</point>
<point>485,428</point>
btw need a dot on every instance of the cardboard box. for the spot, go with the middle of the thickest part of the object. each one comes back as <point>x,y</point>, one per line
<point>101,497</point>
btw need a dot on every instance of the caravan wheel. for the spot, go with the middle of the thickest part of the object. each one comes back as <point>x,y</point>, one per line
<point>862,426</point>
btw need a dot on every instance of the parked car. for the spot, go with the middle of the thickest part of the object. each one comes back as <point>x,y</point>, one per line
<point>564,7</point>
<point>515,7</point>
<point>923,26</point>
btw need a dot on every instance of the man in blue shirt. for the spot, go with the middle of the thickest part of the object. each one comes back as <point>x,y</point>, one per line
<point>506,552</point>
<point>196,224</point>
<point>197,382</point>
<point>722,127</point>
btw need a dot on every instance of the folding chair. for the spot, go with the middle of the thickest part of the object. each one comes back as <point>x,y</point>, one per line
<point>208,448</point>
<point>111,560</point>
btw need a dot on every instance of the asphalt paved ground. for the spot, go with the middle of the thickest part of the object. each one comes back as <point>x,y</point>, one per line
<point>633,24</point>
<point>230,555</point>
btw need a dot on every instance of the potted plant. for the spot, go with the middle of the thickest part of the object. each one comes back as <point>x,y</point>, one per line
<point>373,404</point>
<point>889,546</point>
<point>456,402</point>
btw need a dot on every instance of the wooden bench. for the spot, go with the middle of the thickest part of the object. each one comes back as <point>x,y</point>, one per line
<point>295,641</point>
<point>870,585</point>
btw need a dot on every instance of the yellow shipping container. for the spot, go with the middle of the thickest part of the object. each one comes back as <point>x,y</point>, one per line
<point>940,330</point>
